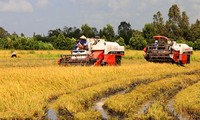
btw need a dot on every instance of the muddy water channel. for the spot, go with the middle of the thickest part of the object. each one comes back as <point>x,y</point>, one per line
<point>98,105</point>
<point>52,114</point>
<point>170,107</point>
<point>143,109</point>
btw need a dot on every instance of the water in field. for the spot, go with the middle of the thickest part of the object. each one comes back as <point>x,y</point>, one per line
<point>144,108</point>
<point>52,115</point>
<point>99,107</point>
<point>172,110</point>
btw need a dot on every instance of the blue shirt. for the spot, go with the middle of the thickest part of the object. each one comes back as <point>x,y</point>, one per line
<point>155,45</point>
<point>83,42</point>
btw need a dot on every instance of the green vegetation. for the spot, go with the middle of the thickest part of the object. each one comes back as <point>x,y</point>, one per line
<point>177,27</point>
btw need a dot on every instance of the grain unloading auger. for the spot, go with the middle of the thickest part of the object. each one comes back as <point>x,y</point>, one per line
<point>99,53</point>
<point>166,50</point>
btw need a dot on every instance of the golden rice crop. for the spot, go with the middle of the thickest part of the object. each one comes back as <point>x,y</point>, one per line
<point>30,82</point>
<point>76,101</point>
<point>188,101</point>
<point>129,103</point>
<point>156,111</point>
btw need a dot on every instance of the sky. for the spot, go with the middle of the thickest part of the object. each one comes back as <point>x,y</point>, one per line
<point>40,16</point>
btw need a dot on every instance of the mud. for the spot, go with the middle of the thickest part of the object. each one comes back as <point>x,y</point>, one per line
<point>64,113</point>
<point>143,109</point>
<point>170,107</point>
<point>99,106</point>
<point>52,114</point>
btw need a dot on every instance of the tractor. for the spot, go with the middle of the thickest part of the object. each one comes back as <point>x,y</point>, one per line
<point>98,53</point>
<point>167,50</point>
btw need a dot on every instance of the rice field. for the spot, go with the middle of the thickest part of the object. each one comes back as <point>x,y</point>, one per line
<point>33,86</point>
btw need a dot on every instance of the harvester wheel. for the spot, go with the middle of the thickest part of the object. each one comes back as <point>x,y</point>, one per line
<point>146,56</point>
<point>60,61</point>
<point>180,63</point>
<point>118,60</point>
<point>188,58</point>
<point>103,63</point>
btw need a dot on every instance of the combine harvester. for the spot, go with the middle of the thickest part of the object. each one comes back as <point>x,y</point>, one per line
<point>165,50</point>
<point>99,53</point>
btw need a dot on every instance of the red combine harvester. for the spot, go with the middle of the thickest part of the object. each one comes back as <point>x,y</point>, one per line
<point>166,50</point>
<point>99,53</point>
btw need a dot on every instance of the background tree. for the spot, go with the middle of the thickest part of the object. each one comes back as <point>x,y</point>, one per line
<point>185,26</point>
<point>7,43</point>
<point>195,31</point>
<point>60,42</point>
<point>55,32</point>
<point>120,41</point>
<point>159,24</point>
<point>174,30</point>
<point>95,32</point>
<point>177,27</point>
<point>72,32</point>
<point>125,31</point>
<point>137,41</point>
<point>196,45</point>
<point>108,32</point>
<point>87,31</point>
<point>149,31</point>
<point>3,33</point>
<point>42,38</point>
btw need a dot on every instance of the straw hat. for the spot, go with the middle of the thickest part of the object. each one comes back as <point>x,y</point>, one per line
<point>83,37</point>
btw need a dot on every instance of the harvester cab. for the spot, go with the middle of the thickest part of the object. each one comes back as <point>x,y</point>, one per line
<point>168,51</point>
<point>98,53</point>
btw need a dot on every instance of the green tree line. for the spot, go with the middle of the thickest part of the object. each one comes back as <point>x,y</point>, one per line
<point>177,27</point>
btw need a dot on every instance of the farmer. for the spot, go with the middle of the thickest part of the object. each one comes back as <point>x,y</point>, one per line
<point>83,44</point>
<point>155,45</point>
<point>14,54</point>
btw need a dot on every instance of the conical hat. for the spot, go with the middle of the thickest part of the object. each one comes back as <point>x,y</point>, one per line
<point>83,37</point>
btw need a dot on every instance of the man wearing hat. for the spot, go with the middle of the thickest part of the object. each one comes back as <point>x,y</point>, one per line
<point>156,45</point>
<point>83,44</point>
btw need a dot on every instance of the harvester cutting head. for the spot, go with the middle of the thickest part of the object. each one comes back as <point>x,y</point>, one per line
<point>167,50</point>
<point>98,52</point>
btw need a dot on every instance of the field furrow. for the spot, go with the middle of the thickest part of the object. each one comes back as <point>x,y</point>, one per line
<point>129,104</point>
<point>83,99</point>
<point>187,102</point>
